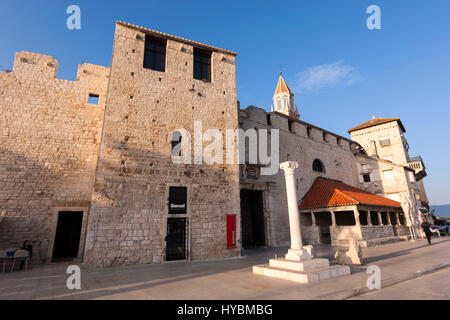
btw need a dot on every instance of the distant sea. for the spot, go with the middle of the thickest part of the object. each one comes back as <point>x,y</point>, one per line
<point>442,210</point>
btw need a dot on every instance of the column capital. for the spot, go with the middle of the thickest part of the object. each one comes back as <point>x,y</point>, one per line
<point>289,167</point>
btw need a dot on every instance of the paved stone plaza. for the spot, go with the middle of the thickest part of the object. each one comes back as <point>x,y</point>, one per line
<point>232,278</point>
<point>435,286</point>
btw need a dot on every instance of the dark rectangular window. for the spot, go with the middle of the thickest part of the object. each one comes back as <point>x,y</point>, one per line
<point>177,200</point>
<point>202,65</point>
<point>291,125</point>
<point>366,177</point>
<point>155,54</point>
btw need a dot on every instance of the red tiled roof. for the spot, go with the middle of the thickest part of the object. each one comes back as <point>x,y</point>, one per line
<point>377,121</point>
<point>330,193</point>
<point>282,87</point>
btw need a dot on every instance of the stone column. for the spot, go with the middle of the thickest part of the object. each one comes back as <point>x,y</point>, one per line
<point>333,218</point>
<point>313,219</point>
<point>380,221</point>
<point>296,252</point>
<point>397,217</point>
<point>389,218</point>
<point>369,219</point>
<point>356,213</point>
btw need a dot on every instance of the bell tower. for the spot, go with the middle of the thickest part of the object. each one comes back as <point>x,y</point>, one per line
<point>283,100</point>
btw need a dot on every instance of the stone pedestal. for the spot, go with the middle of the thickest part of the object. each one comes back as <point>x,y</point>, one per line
<point>299,264</point>
<point>306,271</point>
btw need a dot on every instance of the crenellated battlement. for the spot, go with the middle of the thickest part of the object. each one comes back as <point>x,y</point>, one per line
<point>87,71</point>
<point>36,66</point>
<point>275,120</point>
<point>28,64</point>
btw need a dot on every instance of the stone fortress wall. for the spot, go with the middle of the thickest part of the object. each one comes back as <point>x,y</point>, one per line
<point>49,140</point>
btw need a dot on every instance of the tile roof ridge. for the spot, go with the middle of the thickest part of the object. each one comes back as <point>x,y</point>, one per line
<point>353,201</point>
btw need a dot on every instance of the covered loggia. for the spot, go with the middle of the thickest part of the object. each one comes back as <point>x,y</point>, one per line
<point>347,211</point>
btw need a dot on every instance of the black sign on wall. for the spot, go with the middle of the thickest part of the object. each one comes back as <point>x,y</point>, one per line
<point>177,200</point>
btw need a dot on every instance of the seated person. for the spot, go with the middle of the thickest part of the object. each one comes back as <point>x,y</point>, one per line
<point>28,246</point>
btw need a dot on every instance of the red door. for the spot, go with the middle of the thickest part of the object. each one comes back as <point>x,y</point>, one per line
<point>231,231</point>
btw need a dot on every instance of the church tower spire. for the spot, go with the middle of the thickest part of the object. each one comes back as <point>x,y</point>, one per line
<point>283,100</point>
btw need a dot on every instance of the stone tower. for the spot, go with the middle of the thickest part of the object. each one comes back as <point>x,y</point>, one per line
<point>383,138</point>
<point>146,208</point>
<point>283,100</point>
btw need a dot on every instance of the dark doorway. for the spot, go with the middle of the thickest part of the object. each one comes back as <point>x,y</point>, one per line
<point>68,234</point>
<point>323,221</point>
<point>176,239</point>
<point>252,216</point>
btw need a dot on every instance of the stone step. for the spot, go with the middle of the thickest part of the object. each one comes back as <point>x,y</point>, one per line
<point>302,276</point>
<point>305,265</point>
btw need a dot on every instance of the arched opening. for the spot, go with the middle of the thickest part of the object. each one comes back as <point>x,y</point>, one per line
<point>176,143</point>
<point>318,166</point>
<point>279,106</point>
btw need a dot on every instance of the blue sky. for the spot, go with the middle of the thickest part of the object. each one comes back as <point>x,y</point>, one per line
<point>342,73</point>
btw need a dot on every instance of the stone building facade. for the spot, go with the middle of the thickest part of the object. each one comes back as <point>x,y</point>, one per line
<point>49,139</point>
<point>384,139</point>
<point>301,142</point>
<point>323,154</point>
<point>129,214</point>
<point>87,166</point>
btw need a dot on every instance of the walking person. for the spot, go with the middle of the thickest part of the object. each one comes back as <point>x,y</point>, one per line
<point>426,226</point>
